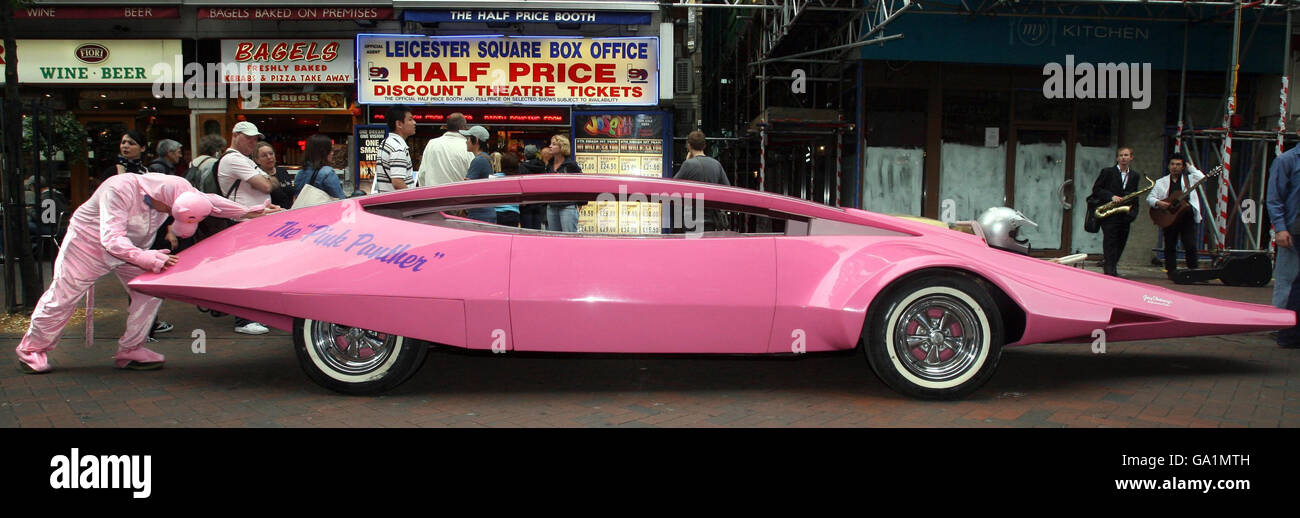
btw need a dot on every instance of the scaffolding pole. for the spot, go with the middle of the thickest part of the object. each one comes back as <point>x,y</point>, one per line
<point>1225,180</point>
<point>1182,91</point>
<point>762,156</point>
<point>839,165</point>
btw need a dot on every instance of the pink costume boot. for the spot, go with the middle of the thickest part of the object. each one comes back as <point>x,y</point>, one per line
<point>138,358</point>
<point>33,362</point>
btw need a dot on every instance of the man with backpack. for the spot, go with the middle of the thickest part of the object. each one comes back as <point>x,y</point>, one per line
<point>209,147</point>
<point>237,178</point>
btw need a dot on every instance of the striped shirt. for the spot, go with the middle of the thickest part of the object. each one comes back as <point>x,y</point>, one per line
<point>394,162</point>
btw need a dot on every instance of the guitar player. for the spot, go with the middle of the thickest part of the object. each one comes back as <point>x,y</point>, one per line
<point>1113,183</point>
<point>1180,177</point>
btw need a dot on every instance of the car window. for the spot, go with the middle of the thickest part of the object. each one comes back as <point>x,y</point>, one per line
<point>599,216</point>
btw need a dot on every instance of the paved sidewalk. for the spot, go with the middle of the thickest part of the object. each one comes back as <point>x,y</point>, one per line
<point>1232,381</point>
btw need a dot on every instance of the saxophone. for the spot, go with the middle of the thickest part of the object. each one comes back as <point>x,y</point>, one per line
<point>1121,206</point>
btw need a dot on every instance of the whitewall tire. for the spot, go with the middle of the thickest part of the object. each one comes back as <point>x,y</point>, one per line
<point>354,360</point>
<point>936,336</point>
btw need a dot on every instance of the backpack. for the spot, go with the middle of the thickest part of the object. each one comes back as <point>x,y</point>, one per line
<point>209,185</point>
<point>195,173</point>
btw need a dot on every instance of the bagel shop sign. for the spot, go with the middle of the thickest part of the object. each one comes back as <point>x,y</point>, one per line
<point>290,61</point>
<point>92,61</point>
<point>500,69</point>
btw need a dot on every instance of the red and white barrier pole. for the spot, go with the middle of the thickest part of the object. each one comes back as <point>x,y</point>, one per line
<point>1281,114</point>
<point>1224,179</point>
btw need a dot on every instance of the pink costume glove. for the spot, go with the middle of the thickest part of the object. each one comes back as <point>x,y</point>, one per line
<point>152,260</point>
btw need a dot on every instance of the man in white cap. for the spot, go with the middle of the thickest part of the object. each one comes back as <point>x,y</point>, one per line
<point>241,181</point>
<point>112,232</point>
<point>238,177</point>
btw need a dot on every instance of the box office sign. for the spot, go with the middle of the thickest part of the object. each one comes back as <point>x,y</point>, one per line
<point>290,61</point>
<point>92,61</point>
<point>499,69</point>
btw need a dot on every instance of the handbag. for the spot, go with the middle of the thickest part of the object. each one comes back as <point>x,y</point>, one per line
<point>311,195</point>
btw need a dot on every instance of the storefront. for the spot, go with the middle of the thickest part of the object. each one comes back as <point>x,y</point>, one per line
<point>550,76</point>
<point>107,85</point>
<point>1028,116</point>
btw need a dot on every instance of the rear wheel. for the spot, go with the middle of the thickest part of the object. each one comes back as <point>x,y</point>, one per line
<point>935,337</point>
<point>352,360</point>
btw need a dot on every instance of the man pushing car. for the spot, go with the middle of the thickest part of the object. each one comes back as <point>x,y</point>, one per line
<point>112,232</point>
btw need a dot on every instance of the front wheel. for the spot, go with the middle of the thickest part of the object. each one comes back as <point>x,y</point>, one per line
<point>935,337</point>
<point>352,360</point>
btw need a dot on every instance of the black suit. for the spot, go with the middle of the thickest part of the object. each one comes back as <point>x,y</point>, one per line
<point>1114,230</point>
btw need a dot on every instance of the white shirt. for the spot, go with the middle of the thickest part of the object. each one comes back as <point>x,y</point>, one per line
<point>236,165</point>
<point>446,160</point>
<point>1161,190</point>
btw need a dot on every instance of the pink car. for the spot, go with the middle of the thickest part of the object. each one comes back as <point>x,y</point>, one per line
<point>366,284</point>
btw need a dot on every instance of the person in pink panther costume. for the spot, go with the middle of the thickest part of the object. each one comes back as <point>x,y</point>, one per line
<point>112,232</point>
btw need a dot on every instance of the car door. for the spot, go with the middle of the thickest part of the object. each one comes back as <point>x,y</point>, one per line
<point>665,293</point>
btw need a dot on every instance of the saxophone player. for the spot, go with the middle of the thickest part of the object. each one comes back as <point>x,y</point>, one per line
<point>1113,183</point>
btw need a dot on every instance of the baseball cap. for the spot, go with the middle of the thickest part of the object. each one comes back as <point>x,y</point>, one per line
<point>478,132</point>
<point>247,128</point>
<point>188,210</point>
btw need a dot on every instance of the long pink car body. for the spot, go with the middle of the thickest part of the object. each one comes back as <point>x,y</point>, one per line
<point>650,294</point>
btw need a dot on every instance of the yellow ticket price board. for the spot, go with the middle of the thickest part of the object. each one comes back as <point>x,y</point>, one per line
<point>626,144</point>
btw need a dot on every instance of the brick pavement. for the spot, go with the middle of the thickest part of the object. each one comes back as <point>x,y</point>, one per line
<point>1230,381</point>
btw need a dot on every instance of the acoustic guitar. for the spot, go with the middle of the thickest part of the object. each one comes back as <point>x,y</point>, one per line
<point>1178,206</point>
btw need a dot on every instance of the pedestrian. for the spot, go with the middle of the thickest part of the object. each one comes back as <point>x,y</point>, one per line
<point>316,170</point>
<point>281,183</point>
<point>562,217</point>
<point>1113,183</point>
<point>130,150</point>
<point>393,171</point>
<point>110,232</point>
<point>508,215</point>
<point>480,168</point>
<point>169,156</point>
<point>1283,204</point>
<point>240,180</point>
<point>209,147</point>
<point>1184,230</point>
<point>701,167</point>
<point>445,158</point>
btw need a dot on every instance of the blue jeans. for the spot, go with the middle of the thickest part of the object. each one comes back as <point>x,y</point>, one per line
<point>563,217</point>
<point>1284,273</point>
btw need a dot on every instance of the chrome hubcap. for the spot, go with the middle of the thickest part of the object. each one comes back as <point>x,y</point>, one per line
<point>351,350</point>
<point>937,338</point>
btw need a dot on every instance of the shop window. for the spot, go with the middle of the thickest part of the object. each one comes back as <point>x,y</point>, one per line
<point>973,156</point>
<point>894,167</point>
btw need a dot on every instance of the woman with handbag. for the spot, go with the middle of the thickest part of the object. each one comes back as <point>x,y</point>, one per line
<point>316,172</point>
